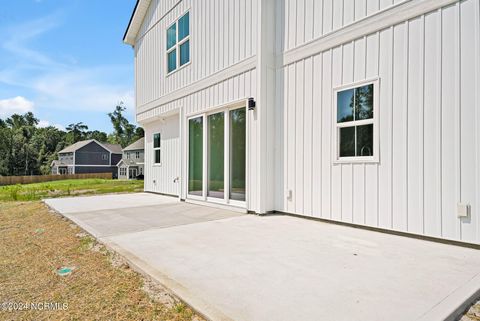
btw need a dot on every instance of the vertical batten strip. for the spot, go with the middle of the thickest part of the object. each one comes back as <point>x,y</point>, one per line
<point>458,106</point>
<point>477,111</point>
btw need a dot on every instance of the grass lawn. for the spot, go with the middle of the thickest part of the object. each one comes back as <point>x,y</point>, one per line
<point>35,243</point>
<point>37,191</point>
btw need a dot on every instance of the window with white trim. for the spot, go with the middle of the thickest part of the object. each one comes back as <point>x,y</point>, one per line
<point>355,122</point>
<point>137,155</point>
<point>123,171</point>
<point>104,156</point>
<point>157,148</point>
<point>178,43</point>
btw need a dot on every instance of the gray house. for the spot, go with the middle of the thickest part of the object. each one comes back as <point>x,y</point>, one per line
<point>132,162</point>
<point>88,156</point>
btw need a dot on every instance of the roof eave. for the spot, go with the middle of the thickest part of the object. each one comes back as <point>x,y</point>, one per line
<point>135,22</point>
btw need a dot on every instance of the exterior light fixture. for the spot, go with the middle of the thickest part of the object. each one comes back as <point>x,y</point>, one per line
<point>251,104</point>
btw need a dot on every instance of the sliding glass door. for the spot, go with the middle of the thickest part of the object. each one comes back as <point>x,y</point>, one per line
<point>195,156</point>
<point>217,156</point>
<point>238,138</point>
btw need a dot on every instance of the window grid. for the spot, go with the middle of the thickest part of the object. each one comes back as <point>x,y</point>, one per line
<point>177,45</point>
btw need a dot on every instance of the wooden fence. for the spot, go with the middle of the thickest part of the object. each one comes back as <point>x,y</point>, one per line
<point>12,180</point>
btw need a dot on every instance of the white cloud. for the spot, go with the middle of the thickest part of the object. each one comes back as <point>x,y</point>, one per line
<point>46,123</point>
<point>16,105</point>
<point>83,89</point>
<point>61,82</point>
<point>20,35</point>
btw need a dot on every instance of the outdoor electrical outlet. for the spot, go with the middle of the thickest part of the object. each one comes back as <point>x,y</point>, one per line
<point>463,210</point>
<point>289,194</point>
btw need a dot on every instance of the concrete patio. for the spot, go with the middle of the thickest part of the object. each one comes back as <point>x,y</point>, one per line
<point>231,266</point>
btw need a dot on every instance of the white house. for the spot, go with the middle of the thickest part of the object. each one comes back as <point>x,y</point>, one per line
<point>131,164</point>
<point>360,111</point>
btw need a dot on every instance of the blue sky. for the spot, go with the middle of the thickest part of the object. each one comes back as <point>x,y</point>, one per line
<point>65,60</point>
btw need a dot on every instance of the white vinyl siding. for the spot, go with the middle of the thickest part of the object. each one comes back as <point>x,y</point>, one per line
<point>429,78</point>
<point>161,179</point>
<point>307,20</point>
<point>223,33</point>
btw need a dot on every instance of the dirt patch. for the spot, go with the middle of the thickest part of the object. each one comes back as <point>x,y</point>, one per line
<point>47,259</point>
<point>473,314</point>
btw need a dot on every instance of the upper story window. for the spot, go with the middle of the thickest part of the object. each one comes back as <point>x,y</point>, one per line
<point>178,43</point>
<point>157,148</point>
<point>104,156</point>
<point>128,155</point>
<point>356,122</point>
<point>137,155</point>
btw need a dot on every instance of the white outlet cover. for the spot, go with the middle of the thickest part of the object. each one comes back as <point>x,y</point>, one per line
<point>462,210</point>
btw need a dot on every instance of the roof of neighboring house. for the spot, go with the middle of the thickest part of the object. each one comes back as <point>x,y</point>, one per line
<point>129,162</point>
<point>58,163</point>
<point>139,12</point>
<point>138,145</point>
<point>113,148</point>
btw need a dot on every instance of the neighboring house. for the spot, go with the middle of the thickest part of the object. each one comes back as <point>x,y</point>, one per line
<point>88,156</point>
<point>364,112</point>
<point>131,164</point>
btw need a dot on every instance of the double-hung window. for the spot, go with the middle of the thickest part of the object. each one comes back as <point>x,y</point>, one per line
<point>137,155</point>
<point>356,122</point>
<point>157,148</point>
<point>178,43</point>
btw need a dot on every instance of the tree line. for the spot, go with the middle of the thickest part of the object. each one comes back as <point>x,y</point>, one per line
<point>26,149</point>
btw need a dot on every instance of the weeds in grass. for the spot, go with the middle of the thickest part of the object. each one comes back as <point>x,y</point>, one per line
<point>86,242</point>
<point>37,191</point>
<point>31,194</point>
<point>180,308</point>
<point>49,187</point>
<point>13,191</point>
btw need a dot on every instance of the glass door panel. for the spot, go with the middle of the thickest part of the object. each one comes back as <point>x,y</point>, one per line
<point>216,155</point>
<point>238,137</point>
<point>195,156</point>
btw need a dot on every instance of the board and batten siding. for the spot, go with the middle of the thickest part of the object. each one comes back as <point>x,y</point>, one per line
<point>160,178</point>
<point>302,21</point>
<point>223,33</point>
<point>429,128</point>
